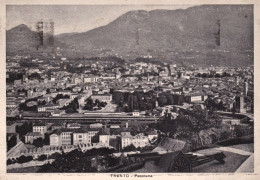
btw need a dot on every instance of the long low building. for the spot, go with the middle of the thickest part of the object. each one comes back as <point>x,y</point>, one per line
<point>72,136</point>
<point>138,140</point>
<point>102,97</point>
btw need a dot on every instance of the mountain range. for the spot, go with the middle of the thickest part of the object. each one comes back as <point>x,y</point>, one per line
<point>207,35</point>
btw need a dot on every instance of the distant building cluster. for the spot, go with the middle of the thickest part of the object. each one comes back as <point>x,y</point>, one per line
<point>68,90</point>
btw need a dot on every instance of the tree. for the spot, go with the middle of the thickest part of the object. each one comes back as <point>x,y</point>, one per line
<point>24,129</point>
<point>224,135</point>
<point>234,109</point>
<point>60,96</point>
<point>102,104</point>
<point>72,107</point>
<point>69,110</point>
<point>197,120</point>
<point>46,139</point>
<point>130,103</point>
<point>89,105</point>
<point>42,157</point>
<point>40,103</point>
<point>168,127</point>
<point>11,143</point>
<point>170,99</point>
<point>34,76</point>
<point>111,91</point>
<point>9,161</point>
<point>97,102</point>
<point>240,131</point>
<point>162,100</point>
<point>221,106</point>
<point>38,142</point>
<point>24,107</point>
<point>128,148</point>
<point>69,162</point>
<point>23,159</point>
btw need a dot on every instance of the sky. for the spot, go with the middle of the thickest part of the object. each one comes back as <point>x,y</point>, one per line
<point>73,18</point>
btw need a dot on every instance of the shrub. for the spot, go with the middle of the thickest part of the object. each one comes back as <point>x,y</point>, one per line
<point>23,159</point>
<point>42,157</point>
<point>54,156</point>
<point>240,131</point>
<point>224,135</point>
<point>131,147</point>
<point>9,161</point>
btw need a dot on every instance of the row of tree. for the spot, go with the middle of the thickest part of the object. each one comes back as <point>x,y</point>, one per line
<point>60,96</point>
<point>206,75</point>
<point>134,101</point>
<point>72,107</point>
<point>144,101</point>
<point>78,161</point>
<point>24,159</point>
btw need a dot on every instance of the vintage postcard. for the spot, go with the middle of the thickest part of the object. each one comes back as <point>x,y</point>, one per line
<point>127,89</point>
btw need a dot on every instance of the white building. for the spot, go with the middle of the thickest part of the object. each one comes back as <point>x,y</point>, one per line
<point>102,97</point>
<point>81,136</point>
<point>61,137</point>
<point>152,136</point>
<point>92,79</point>
<point>104,138</point>
<point>96,125</point>
<point>138,140</point>
<point>31,136</point>
<point>136,113</point>
<point>41,128</point>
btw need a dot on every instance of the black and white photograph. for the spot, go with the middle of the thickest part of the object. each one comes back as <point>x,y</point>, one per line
<point>132,89</point>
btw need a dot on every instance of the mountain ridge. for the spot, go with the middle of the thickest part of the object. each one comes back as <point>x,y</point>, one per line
<point>183,35</point>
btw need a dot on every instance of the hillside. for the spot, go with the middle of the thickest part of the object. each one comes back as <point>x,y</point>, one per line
<point>181,36</point>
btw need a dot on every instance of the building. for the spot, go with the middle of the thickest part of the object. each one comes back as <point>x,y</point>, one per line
<point>31,136</point>
<point>73,126</point>
<point>136,113</point>
<point>81,100</point>
<point>152,135</point>
<point>138,140</point>
<point>57,113</point>
<point>239,104</point>
<point>104,138</point>
<point>57,126</point>
<point>102,97</point>
<point>81,136</point>
<point>10,127</point>
<point>55,140</point>
<point>126,141</point>
<point>245,88</point>
<point>193,98</point>
<point>48,108</point>
<point>64,102</point>
<point>91,79</point>
<point>163,74</point>
<point>13,137</point>
<point>125,133</point>
<point>11,104</point>
<point>96,125</point>
<point>39,127</point>
<point>92,133</point>
<point>61,137</point>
